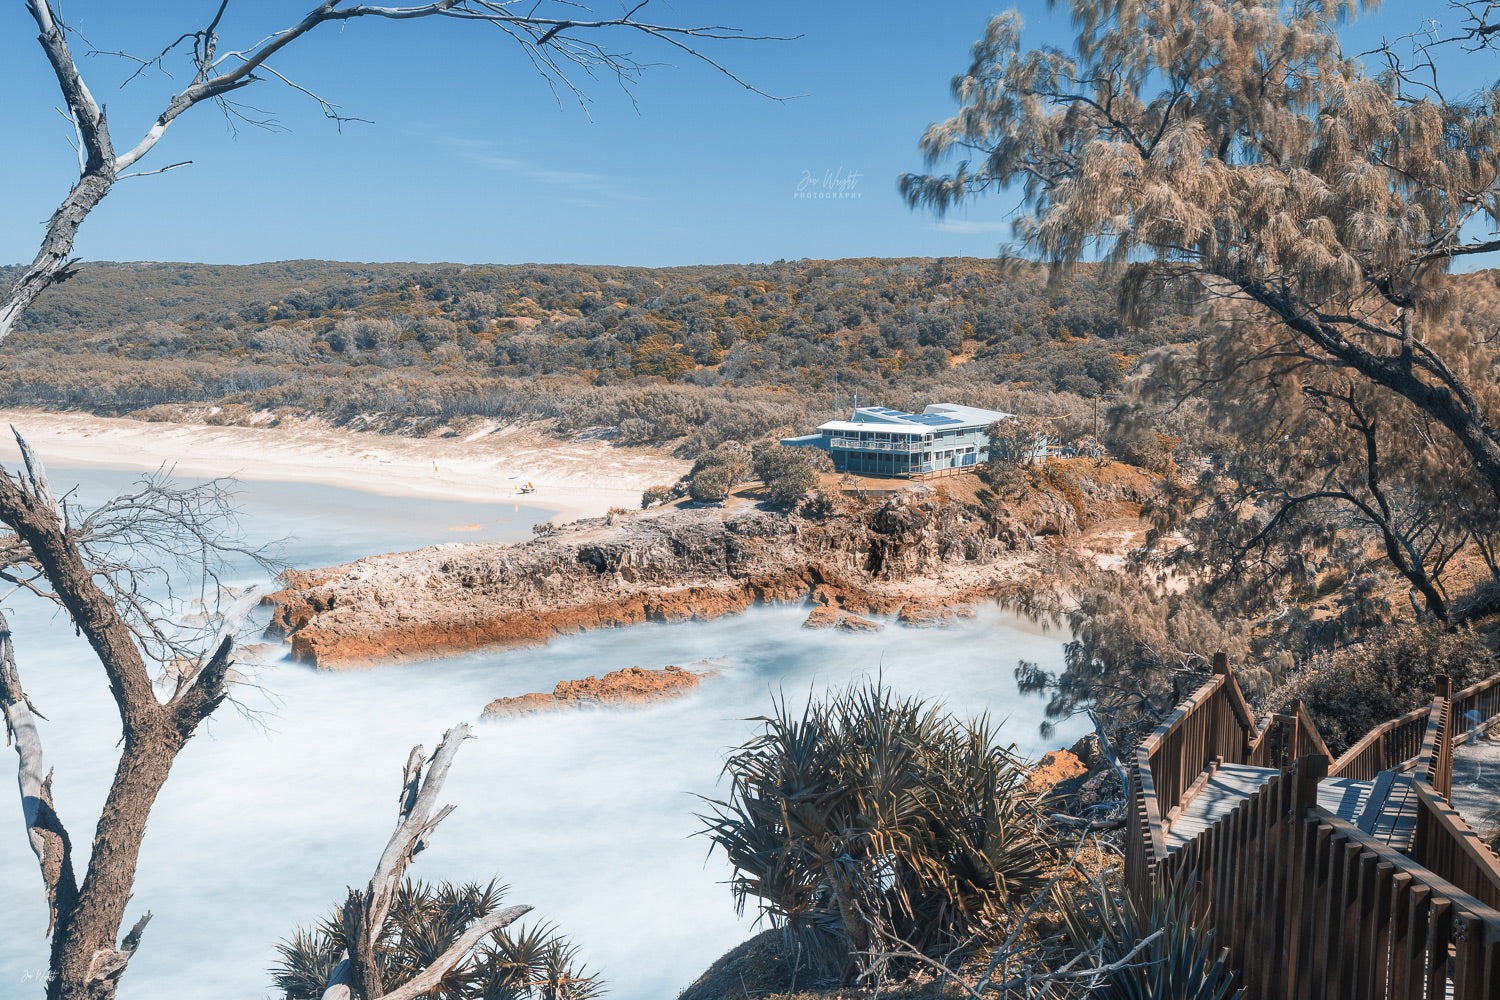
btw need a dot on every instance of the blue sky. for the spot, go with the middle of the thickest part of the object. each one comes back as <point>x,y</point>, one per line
<point>470,158</point>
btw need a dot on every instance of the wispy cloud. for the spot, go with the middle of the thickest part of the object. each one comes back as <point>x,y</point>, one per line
<point>484,154</point>
<point>970,227</point>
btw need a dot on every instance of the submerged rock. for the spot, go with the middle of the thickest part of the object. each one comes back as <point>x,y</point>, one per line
<point>631,686</point>
<point>822,616</point>
<point>916,614</point>
<point>854,623</point>
<point>828,616</point>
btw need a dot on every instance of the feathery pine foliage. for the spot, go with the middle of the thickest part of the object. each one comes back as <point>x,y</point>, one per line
<point>1310,204</point>
<point>1352,690</point>
<point>1230,150</point>
<point>870,819</point>
<point>518,963</point>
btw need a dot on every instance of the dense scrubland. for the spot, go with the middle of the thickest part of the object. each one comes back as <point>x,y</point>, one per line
<point>687,357</point>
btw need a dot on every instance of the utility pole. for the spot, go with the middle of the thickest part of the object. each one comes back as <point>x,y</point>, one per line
<point>1098,396</point>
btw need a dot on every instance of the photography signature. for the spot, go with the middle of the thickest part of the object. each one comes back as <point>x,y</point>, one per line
<point>839,183</point>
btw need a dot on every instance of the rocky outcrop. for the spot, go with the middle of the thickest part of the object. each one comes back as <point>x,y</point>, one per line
<point>631,686</point>
<point>916,552</point>
<point>823,616</point>
<point>854,623</point>
<point>922,614</point>
<point>1055,767</point>
<point>828,616</point>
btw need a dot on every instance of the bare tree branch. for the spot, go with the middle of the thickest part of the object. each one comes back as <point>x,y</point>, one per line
<point>87,963</point>
<point>49,840</point>
<point>365,913</point>
<point>548,42</point>
<point>423,982</point>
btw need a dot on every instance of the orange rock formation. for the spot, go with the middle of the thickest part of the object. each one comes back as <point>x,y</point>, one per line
<point>631,686</point>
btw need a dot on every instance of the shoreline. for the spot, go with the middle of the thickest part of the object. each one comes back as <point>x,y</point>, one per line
<point>573,479</point>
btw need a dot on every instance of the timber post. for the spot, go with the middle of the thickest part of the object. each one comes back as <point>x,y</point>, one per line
<point>1300,913</point>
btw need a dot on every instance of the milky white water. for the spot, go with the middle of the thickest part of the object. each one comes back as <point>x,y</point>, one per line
<point>588,816</point>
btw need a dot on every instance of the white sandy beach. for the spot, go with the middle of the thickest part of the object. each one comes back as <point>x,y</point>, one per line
<point>580,478</point>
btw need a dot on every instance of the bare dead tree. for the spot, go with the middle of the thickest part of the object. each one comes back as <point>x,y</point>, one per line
<point>47,553</point>
<point>365,913</point>
<point>557,37</point>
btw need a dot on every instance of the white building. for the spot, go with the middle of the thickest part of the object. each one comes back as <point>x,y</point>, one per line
<point>879,441</point>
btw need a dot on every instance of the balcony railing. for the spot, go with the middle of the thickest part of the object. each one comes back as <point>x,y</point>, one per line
<point>855,444</point>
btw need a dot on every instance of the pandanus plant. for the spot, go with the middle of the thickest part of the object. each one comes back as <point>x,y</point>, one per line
<point>1155,949</point>
<point>523,963</point>
<point>871,826</point>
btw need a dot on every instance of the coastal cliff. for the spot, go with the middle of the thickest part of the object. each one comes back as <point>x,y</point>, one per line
<point>907,554</point>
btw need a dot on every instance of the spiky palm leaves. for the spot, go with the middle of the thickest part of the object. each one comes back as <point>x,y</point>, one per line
<point>872,823</point>
<point>528,963</point>
<point>1158,951</point>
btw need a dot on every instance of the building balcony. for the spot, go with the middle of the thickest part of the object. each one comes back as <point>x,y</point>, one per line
<point>855,444</point>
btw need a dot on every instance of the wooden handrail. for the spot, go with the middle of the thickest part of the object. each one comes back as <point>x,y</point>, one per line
<point>1204,692</point>
<point>1478,687</point>
<point>1306,903</point>
<point>1419,873</point>
<point>1371,754</point>
<point>1207,726</point>
<point>1448,846</point>
<point>1482,696</point>
<point>1236,696</point>
<point>1156,828</point>
<point>1309,740</point>
<point>1260,752</point>
<point>1435,762</point>
<point>1309,905</point>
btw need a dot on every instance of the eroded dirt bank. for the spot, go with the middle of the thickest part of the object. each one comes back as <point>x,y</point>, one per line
<point>907,554</point>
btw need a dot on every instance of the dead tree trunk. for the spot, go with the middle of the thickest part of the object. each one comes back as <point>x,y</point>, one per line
<point>365,913</point>
<point>88,955</point>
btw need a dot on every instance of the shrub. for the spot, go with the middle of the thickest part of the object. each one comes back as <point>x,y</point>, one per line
<point>718,472</point>
<point>528,963</point>
<point>1391,672</point>
<point>712,483</point>
<point>789,473</point>
<point>658,495</point>
<point>871,817</point>
<point>731,455</point>
<point>1014,441</point>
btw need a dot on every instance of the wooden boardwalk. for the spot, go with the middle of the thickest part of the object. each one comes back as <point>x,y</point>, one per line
<point>1385,808</point>
<point>1352,878</point>
<point>1390,815</point>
